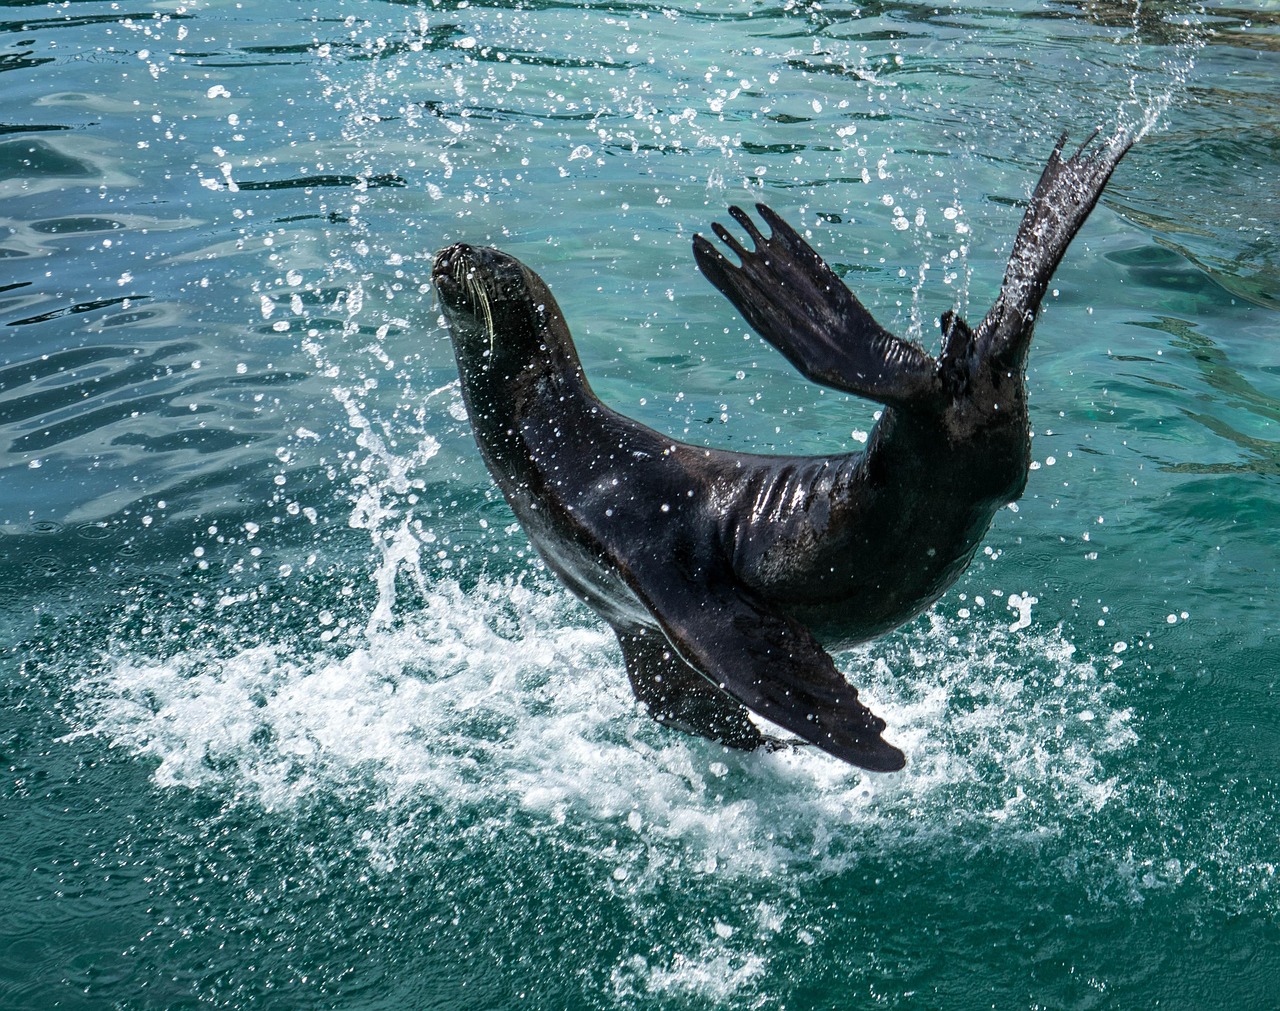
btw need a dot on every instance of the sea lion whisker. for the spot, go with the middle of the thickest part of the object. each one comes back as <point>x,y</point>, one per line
<point>466,277</point>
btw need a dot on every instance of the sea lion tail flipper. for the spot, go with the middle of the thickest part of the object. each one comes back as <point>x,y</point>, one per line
<point>678,696</point>
<point>795,301</point>
<point>1067,192</point>
<point>771,664</point>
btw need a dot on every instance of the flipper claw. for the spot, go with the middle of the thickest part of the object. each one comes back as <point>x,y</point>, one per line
<point>749,226</point>
<point>725,236</point>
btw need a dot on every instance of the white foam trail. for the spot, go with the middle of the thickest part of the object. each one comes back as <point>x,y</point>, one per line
<point>527,684</point>
<point>711,973</point>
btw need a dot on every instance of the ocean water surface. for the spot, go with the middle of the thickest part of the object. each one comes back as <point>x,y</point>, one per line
<point>294,718</point>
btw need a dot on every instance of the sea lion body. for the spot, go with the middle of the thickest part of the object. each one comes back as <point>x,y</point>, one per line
<point>725,574</point>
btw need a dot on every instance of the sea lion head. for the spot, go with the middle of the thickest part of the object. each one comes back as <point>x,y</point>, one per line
<point>496,307</point>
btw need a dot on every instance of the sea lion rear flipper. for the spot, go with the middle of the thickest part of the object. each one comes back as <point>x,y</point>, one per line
<point>789,295</point>
<point>1063,198</point>
<point>772,664</point>
<point>677,695</point>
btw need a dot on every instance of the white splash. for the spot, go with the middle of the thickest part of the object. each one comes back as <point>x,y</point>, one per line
<point>510,697</point>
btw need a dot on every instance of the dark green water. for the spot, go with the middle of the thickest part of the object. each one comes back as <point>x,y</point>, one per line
<point>292,717</point>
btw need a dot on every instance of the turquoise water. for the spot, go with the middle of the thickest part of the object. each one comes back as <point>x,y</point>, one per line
<point>293,717</point>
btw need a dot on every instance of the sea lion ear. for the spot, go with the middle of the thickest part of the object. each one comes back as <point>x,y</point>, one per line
<point>796,302</point>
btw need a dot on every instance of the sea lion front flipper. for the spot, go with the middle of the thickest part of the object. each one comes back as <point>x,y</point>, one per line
<point>795,301</point>
<point>770,663</point>
<point>677,695</point>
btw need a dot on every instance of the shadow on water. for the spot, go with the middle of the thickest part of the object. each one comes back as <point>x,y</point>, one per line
<point>1262,456</point>
<point>99,303</point>
<point>35,159</point>
<point>1242,205</point>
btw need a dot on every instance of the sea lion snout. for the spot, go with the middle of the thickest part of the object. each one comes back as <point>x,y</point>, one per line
<point>469,278</point>
<point>450,272</point>
<point>446,258</point>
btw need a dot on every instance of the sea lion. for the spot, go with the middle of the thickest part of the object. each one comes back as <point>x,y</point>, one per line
<point>724,573</point>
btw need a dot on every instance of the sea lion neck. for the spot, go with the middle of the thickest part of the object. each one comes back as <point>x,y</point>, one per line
<point>510,340</point>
